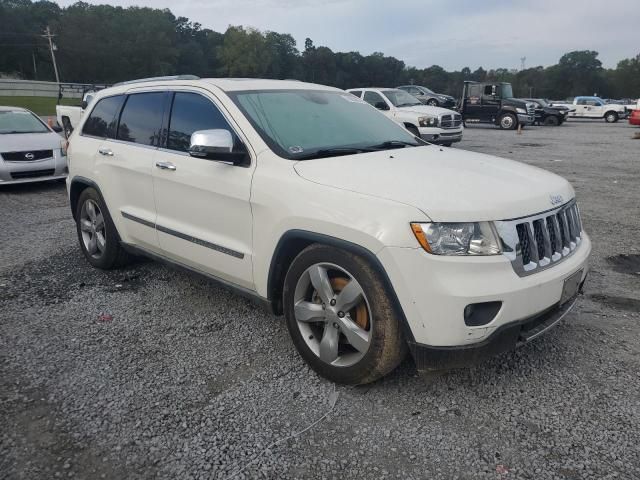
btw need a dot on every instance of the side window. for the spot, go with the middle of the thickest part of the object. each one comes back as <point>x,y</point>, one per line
<point>191,112</point>
<point>414,91</point>
<point>103,118</point>
<point>475,90</point>
<point>141,118</point>
<point>357,93</point>
<point>373,98</point>
<point>581,101</point>
<point>488,89</point>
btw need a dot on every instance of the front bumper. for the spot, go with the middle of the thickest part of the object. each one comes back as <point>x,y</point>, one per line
<point>53,168</point>
<point>440,136</point>
<point>434,291</point>
<point>526,119</point>
<point>504,339</point>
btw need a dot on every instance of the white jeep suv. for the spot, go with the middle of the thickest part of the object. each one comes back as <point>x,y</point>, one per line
<point>306,199</point>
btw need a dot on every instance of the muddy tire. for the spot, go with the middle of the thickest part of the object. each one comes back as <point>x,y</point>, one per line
<point>340,317</point>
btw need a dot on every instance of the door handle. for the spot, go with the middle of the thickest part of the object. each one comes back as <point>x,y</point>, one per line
<point>105,151</point>
<point>165,165</point>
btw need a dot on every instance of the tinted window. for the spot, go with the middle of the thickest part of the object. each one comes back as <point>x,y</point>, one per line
<point>141,118</point>
<point>192,112</point>
<point>357,93</point>
<point>581,101</point>
<point>488,90</point>
<point>103,118</point>
<point>373,98</point>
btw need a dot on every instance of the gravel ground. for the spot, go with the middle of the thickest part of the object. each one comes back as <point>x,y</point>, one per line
<point>152,373</point>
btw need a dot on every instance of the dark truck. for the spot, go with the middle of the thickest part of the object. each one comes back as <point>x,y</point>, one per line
<point>494,103</point>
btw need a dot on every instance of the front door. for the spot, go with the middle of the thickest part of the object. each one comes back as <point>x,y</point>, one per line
<point>490,103</point>
<point>204,215</point>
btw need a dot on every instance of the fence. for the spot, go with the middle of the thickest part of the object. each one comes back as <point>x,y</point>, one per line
<point>32,88</point>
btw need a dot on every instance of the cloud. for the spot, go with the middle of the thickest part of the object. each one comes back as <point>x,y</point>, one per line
<point>489,33</point>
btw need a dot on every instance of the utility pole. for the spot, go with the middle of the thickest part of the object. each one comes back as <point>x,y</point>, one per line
<point>522,62</point>
<point>52,48</point>
<point>35,68</point>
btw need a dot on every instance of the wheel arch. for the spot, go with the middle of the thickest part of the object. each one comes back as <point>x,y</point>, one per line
<point>292,242</point>
<point>78,185</point>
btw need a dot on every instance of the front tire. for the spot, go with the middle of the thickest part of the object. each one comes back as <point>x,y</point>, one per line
<point>552,121</point>
<point>508,121</point>
<point>340,317</point>
<point>611,117</point>
<point>432,102</point>
<point>99,240</point>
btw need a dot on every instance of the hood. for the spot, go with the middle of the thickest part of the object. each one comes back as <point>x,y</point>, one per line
<point>514,102</point>
<point>20,142</point>
<point>447,185</point>
<point>426,110</point>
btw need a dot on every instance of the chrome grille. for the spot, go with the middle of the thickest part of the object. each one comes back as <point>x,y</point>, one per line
<point>531,109</point>
<point>453,120</point>
<point>26,156</point>
<point>540,241</point>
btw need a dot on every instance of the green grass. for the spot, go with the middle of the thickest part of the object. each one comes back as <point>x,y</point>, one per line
<point>38,105</point>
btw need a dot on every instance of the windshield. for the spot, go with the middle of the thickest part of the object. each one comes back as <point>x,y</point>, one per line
<point>299,124</point>
<point>426,90</point>
<point>507,91</point>
<point>17,121</point>
<point>400,98</point>
<point>542,102</point>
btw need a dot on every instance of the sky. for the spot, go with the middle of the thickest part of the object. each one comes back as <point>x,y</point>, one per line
<point>450,33</point>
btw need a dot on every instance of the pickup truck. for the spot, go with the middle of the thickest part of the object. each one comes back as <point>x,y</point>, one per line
<point>433,124</point>
<point>68,116</point>
<point>595,107</point>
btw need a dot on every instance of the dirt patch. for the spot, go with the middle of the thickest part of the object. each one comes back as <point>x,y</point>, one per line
<point>620,303</point>
<point>629,264</point>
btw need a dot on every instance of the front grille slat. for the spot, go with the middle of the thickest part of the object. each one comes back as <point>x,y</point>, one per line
<point>542,240</point>
<point>450,120</point>
<point>32,174</point>
<point>27,155</point>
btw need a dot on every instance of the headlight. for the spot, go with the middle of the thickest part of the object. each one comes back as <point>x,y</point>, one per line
<point>428,121</point>
<point>63,147</point>
<point>521,110</point>
<point>477,238</point>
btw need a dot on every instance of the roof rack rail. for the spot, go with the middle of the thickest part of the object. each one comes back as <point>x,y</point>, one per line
<point>158,79</point>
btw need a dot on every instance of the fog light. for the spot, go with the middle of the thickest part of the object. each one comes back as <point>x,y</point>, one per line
<point>478,314</point>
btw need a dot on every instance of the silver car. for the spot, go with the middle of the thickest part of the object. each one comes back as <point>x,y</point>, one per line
<point>30,151</point>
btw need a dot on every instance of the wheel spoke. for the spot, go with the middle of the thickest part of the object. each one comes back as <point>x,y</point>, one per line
<point>99,221</point>
<point>320,281</point>
<point>349,296</point>
<point>329,344</point>
<point>85,225</point>
<point>92,247</point>
<point>91,211</point>
<point>309,312</point>
<point>356,336</point>
<point>101,243</point>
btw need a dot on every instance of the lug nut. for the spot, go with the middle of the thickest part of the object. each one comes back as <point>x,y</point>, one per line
<point>335,325</point>
<point>333,302</point>
<point>341,314</point>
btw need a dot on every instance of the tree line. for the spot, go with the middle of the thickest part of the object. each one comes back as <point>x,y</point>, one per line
<point>106,44</point>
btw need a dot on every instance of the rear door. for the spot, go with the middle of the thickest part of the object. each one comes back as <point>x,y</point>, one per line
<point>204,215</point>
<point>125,166</point>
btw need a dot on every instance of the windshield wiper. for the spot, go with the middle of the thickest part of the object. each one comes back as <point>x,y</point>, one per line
<point>393,144</point>
<point>334,152</point>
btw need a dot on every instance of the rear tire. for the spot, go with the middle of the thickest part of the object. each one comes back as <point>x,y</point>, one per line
<point>97,235</point>
<point>324,335</point>
<point>508,121</point>
<point>611,117</point>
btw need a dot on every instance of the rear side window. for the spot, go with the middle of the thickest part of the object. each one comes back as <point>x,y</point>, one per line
<point>103,118</point>
<point>191,112</point>
<point>373,98</point>
<point>141,118</point>
<point>357,93</point>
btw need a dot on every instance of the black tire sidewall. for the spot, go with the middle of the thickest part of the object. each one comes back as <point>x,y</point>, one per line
<point>614,115</point>
<point>366,368</point>
<point>109,257</point>
<point>552,121</point>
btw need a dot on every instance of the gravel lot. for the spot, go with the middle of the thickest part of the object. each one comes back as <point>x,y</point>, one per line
<point>152,373</point>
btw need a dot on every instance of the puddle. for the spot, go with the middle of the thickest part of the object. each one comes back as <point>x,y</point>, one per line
<point>621,303</point>
<point>629,264</point>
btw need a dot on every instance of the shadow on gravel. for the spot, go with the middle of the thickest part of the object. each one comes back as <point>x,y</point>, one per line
<point>38,187</point>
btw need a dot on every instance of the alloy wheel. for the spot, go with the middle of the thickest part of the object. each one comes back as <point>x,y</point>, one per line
<point>92,228</point>
<point>333,314</point>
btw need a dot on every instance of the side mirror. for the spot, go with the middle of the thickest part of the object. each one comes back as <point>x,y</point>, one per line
<point>84,104</point>
<point>381,106</point>
<point>217,145</point>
